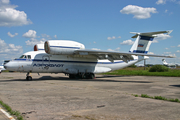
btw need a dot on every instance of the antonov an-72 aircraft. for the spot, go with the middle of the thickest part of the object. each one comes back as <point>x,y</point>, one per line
<point>70,57</point>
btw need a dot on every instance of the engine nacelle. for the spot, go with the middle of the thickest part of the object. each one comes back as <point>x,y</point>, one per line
<point>62,47</point>
<point>39,47</point>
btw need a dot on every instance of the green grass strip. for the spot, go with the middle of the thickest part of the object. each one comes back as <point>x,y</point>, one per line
<point>157,97</point>
<point>15,113</point>
<point>141,72</point>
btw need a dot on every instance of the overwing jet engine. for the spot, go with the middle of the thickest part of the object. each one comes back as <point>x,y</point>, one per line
<point>62,47</point>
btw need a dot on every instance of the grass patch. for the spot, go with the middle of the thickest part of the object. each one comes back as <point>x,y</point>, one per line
<point>146,96</point>
<point>158,98</point>
<point>15,113</point>
<point>77,116</point>
<point>83,117</point>
<point>139,71</point>
<point>135,95</point>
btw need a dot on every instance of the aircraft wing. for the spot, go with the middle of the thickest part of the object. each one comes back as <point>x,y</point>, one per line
<point>115,55</point>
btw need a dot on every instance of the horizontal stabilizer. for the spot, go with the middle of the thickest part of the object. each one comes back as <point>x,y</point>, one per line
<point>150,34</point>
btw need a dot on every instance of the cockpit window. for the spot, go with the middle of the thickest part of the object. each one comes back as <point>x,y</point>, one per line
<point>25,57</point>
<point>29,56</point>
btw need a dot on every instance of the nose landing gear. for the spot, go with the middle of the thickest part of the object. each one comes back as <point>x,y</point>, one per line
<point>28,77</point>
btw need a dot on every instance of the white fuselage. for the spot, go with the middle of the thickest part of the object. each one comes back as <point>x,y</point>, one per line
<point>41,62</point>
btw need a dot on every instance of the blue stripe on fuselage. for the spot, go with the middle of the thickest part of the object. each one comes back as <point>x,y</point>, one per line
<point>40,60</point>
<point>66,47</point>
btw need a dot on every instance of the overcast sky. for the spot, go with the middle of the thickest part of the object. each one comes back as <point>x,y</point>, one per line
<point>98,24</point>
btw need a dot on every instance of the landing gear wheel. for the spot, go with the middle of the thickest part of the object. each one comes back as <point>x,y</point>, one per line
<point>28,78</point>
<point>92,76</point>
<point>71,76</point>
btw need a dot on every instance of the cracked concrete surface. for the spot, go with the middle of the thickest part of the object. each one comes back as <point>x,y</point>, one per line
<point>56,97</point>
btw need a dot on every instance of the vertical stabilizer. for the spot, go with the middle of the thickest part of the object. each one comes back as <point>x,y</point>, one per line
<point>141,44</point>
<point>144,40</point>
<point>164,62</point>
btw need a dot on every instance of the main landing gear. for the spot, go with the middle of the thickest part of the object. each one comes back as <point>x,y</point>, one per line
<point>28,77</point>
<point>82,76</point>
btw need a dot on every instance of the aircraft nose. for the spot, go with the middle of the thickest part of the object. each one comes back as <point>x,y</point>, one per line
<point>6,66</point>
<point>9,66</point>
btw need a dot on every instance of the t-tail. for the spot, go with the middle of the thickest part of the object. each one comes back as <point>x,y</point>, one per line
<point>144,40</point>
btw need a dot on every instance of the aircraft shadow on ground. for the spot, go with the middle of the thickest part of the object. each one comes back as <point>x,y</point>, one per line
<point>98,79</point>
<point>175,85</point>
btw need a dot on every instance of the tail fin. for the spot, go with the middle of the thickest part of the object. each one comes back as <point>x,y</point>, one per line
<point>144,40</point>
<point>164,62</point>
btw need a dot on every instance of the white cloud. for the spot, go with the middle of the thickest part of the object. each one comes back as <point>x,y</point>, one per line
<point>154,41</point>
<point>9,48</point>
<point>34,41</point>
<point>113,37</point>
<point>178,46</point>
<point>55,36</point>
<point>161,2</point>
<point>4,2</point>
<point>30,34</point>
<point>167,52</point>
<point>127,42</point>
<point>161,37</point>
<point>174,55</point>
<point>110,50</point>
<point>138,12</point>
<point>150,53</point>
<point>45,35</point>
<point>117,49</point>
<point>95,49</point>
<point>164,1</point>
<point>167,48</point>
<point>9,16</point>
<point>178,51</point>
<point>11,35</point>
